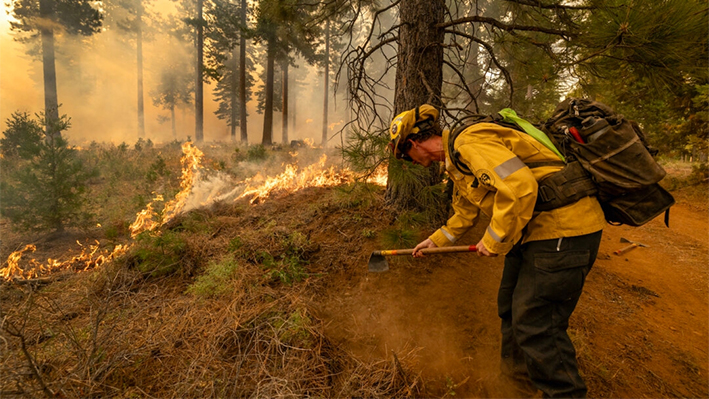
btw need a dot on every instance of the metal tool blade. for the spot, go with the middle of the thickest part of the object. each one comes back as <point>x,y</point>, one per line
<point>378,263</point>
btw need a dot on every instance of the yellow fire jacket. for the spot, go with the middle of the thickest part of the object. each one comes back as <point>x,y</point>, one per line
<point>505,189</point>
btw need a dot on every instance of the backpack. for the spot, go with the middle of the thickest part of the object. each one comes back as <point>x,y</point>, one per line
<point>614,152</point>
<point>613,163</point>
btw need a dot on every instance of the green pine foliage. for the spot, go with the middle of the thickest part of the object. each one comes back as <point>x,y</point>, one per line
<point>364,151</point>
<point>161,254</point>
<point>44,184</point>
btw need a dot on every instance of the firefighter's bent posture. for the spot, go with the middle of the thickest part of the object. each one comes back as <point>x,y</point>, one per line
<point>548,254</point>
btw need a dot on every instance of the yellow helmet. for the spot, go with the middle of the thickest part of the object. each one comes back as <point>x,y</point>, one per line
<point>409,123</point>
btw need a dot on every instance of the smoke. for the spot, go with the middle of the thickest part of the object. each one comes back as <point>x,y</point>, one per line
<point>97,87</point>
<point>211,189</point>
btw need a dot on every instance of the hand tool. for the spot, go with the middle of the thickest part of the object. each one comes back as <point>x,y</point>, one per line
<point>632,245</point>
<point>378,262</point>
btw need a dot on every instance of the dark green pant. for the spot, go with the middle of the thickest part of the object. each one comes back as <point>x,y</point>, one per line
<point>541,284</point>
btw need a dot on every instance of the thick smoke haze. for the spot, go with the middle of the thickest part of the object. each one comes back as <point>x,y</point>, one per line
<point>97,88</point>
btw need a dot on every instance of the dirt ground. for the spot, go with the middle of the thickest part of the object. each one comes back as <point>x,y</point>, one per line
<point>640,329</point>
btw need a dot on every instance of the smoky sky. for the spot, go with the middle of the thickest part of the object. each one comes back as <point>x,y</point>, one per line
<point>97,88</point>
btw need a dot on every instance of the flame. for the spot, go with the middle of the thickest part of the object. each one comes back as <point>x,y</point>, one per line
<point>89,258</point>
<point>333,125</point>
<point>13,269</point>
<point>143,221</point>
<point>258,188</point>
<point>379,176</point>
<point>315,175</point>
<point>191,160</point>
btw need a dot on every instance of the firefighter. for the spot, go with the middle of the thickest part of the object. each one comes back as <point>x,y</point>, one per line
<point>547,253</point>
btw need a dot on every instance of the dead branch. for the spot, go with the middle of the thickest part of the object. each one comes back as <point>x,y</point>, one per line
<point>555,6</point>
<point>18,332</point>
<point>491,52</point>
<point>507,27</point>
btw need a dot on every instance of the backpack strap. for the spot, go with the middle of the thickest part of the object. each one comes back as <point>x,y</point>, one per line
<point>562,188</point>
<point>498,120</point>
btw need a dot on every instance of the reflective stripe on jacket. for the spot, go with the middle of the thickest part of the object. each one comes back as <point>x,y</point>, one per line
<point>505,189</point>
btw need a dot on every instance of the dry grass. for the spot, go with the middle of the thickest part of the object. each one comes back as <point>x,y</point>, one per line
<point>115,333</point>
<point>123,332</point>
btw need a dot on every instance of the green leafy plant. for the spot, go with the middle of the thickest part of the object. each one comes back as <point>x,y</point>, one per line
<point>295,330</point>
<point>22,137</point>
<point>46,189</point>
<point>235,244</point>
<point>256,153</point>
<point>142,143</point>
<point>287,269</point>
<point>215,281</point>
<point>398,237</point>
<point>157,169</point>
<point>159,255</point>
<point>355,195</point>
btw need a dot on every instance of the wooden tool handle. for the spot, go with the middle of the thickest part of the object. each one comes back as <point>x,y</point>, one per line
<point>435,250</point>
<point>626,249</point>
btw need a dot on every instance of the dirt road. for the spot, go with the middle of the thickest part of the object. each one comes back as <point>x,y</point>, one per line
<point>641,327</point>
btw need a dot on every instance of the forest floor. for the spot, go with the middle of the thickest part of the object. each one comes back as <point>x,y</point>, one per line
<point>640,329</point>
<point>426,328</point>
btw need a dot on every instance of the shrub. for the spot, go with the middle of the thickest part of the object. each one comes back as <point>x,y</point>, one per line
<point>21,137</point>
<point>159,255</point>
<point>288,269</point>
<point>47,186</point>
<point>256,152</point>
<point>215,280</point>
<point>398,237</point>
<point>157,169</point>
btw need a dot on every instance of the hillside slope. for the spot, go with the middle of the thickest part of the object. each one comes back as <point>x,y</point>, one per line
<point>274,299</point>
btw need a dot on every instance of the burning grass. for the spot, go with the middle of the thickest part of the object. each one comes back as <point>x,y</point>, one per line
<point>199,187</point>
<point>213,302</point>
<point>233,318</point>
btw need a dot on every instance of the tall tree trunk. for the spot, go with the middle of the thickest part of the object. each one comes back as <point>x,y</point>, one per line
<point>268,111</point>
<point>51,103</point>
<point>419,77</point>
<point>474,68</point>
<point>284,118</point>
<point>242,75</point>
<point>295,103</point>
<point>139,49</point>
<point>233,97</point>
<point>199,83</point>
<point>326,83</point>
<point>172,114</point>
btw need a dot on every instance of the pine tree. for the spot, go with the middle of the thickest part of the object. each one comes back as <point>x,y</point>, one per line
<point>46,186</point>
<point>50,18</point>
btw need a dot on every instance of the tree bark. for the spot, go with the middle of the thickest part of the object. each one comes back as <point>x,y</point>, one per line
<point>326,84</point>
<point>172,114</point>
<point>199,84</point>
<point>139,50</point>
<point>284,118</point>
<point>268,111</point>
<point>242,75</point>
<point>233,99</point>
<point>419,77</point>
<point>295,104</point>
<point>51,103</point>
